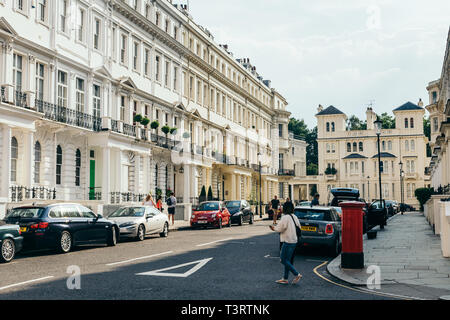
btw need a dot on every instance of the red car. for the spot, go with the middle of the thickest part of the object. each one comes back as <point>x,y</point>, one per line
<point>211,214</point>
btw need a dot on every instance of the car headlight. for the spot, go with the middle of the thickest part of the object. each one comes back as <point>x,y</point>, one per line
<point>127,225</point>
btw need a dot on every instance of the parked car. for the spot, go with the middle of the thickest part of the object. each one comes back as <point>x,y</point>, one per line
<point>139,221</point>
<point>62,226</point>
<point>406,207</point>
<point>339,211</point>
<point>240,211</point>
<point>305,204</point>
<point>10,241</point>
<point>396,206</point>
<point>350,194</point>
<point>211,213</point>
<point>378,213</point>
<point>320,226</point>
<point>391,208</point>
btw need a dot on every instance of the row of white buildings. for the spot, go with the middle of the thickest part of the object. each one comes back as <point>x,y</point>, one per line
<point>75,73</point>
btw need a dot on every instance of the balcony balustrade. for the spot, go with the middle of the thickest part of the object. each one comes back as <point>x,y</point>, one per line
<point>22,193</point>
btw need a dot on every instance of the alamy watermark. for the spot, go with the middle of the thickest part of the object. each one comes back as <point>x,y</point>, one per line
<point>74,280</point>
<point>374,280</point>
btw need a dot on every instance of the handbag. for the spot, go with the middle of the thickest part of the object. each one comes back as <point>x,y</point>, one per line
<point>298,231</point>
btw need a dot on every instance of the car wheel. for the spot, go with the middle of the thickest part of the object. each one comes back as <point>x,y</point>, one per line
<point>165,232</point>
<point>240,220</point>
<point>251,219</point>
<point>8,250</point>
<point>65,242</point>
<point>141,233</point>
<point>112,241</point>
<point>220,224</point>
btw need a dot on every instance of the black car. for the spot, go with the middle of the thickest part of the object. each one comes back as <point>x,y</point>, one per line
<point>240,211</point>
<point>62,226</point>
<point>390,205</point>
<point>406,207</point>
<point>373,214</point>
<point>10,241</point>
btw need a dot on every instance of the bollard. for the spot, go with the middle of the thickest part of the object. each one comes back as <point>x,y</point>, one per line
<point>352,256</point>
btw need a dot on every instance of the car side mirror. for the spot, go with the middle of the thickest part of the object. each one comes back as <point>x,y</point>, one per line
<point>99,216</point>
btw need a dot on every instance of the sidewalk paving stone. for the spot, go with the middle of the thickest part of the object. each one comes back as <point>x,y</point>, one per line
<point>406,251</point>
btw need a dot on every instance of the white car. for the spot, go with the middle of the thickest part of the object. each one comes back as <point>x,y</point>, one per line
<point>139,221</point>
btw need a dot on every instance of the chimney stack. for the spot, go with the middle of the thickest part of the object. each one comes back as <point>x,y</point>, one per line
<point>370,117</point>
<point>320,108</point>
<point>420,103</point>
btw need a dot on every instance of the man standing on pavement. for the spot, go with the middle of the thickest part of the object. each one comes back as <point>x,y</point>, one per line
<point>288,206</point>
<point>172,203</point>
<point>288,236</point>
<point>274,205</point>
<point>315,201</point>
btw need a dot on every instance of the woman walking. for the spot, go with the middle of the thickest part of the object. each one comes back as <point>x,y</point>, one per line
<point>159,204</point>
<point>149,201</point>
<point>288,236</point>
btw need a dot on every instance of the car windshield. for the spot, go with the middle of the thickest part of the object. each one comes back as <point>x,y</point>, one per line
<point>25,213</point>
<point>377,205</point>
<point>310,214</point>
<point>208,206</point>
<point>129,212</point>
<point>304,204</point>
<point>233,204</point>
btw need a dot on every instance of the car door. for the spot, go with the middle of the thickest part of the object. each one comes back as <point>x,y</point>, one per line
<point>152,220</point>
<point>96,227</point>
<point>246,211</point>
<point>376,213</point>
<point>78,225</point>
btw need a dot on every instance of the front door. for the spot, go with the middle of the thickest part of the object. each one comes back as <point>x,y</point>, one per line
<point>92,180</point>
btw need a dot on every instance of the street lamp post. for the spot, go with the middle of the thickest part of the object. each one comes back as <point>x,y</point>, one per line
<point>368,188</point>
<point>260,185</point>
<point>378,125</point>
<point>401,187</point>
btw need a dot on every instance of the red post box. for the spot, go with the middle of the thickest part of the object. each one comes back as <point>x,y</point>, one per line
<point>352,256</point>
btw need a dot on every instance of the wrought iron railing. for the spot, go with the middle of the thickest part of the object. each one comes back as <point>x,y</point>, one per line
<point>68,116</point>
<point>115,126</point>
<point>21,193</point>
<point>20,99</point>
<point>129,130</point>
<point>286,172</point>
<point>3,94</point>
<point>119,197</point>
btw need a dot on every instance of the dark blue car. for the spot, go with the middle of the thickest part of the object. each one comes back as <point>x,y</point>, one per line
<point>62,226</point>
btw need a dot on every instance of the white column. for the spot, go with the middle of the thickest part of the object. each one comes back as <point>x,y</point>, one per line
<point>137,173</point>
<point>106,174</point>
<point>238,187</point>
<point>232,194</point>
<point>6,163</point>
<point>8,65</point>
<point>31,86</point>
<point>187,183</point>
<point>28,159</point>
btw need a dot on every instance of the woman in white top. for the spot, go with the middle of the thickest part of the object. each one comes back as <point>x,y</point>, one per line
<point>149,201</point>
<point>288,236</point>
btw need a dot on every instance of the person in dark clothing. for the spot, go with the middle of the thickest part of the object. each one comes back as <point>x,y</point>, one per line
<point>315,201</point>
<point>288,207</point>
<point>275,206</point>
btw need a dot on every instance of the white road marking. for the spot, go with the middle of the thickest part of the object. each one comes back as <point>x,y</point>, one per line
<point>25,282</point>
<point>160,272</point>
<point>140,258</point>
<point>268,256</point>
<point>205,244</point>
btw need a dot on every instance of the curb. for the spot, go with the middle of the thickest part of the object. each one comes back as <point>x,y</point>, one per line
<point>334,267</point>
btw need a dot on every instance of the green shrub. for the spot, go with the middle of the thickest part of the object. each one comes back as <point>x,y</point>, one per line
<point>137,118</point>
<point>154,125</point>
<point>423,195</point>
<point>145,121</point>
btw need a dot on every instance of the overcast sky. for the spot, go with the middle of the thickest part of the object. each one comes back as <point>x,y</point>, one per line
<point>335,52</point>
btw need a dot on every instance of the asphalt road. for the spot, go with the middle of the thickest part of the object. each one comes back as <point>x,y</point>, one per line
<point>237,263</point>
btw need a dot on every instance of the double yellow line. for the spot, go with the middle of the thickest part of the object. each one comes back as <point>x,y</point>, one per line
<point>359,290</point>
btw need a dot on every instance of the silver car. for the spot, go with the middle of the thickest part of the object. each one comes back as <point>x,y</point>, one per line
<point>139,221</point>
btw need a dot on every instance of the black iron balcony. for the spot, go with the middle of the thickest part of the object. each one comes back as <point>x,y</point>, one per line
<point>129,130</point>
<point>119,197</point>
<point>286,172</point>
<point>3,94</point>
<point>68,116</point>
<point>115,126</point>
<point>20,99</point>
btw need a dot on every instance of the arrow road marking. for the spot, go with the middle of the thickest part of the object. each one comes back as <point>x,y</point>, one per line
<point>205,244</point>
<point>160,272</point>
<point>140,258</point>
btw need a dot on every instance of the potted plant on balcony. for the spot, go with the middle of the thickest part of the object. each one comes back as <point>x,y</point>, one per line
<point>154,125</point>
<point>145,121</point>
<point>166,130</point>
<point>330,171</point>
<point>138,118</point>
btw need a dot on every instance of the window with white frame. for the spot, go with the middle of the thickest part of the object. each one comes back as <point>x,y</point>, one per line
<point>40,78</point>
<point>78,168</point>
<point>166,73</point>
<point>17,71</point>
<point>407,145</point>
<point>410,166</point>
<point>114,43</point>
<point>147,62</point>
<point>81,25</point>
<point>63,15</point>
<point>136,56</point>
<point>390,145</point>
<point>157,67</point>
<point>122,108</point>
<point>175,78</point>
<point>37,162</point>
<point>123,48</point>
<point>59,160</point>
<point>435,124</point>
<point>79,93</point>
<point>62,89</point>
<point>413,145</point>
<point>97,33</point>
<point>42,11</point>
<point>96,100</point>
<point>14,158</point>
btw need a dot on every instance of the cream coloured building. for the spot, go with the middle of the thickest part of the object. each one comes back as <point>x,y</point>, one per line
<point>354,154</point>
<point>75,73</point>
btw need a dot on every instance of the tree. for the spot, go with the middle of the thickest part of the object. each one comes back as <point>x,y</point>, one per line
<point>166,130</point>
<point>145,121</point>
<point>154,125</point>
<point>138,118</point>
<point>423,195</point>
<point>210,194</point>
<point>313,190</point>
<point>388,121</point>
<point>354,123</point>
<point>202,196</point>
<point>300,129</point>
<point>312,169</point>
<point>427,133</point>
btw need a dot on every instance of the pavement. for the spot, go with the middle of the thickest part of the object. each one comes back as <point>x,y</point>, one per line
<point>408,254</point>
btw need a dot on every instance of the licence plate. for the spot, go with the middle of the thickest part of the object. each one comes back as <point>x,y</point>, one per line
<point>23,229</point>
<point>307,228</point>
<point>202,221</point>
